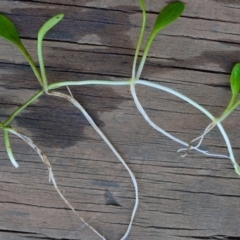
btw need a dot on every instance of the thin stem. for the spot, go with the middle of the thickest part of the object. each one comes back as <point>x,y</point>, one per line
<point>229,109</point>
<point>139,40</point>
<point>231,103</point>
<point>32,64</point>
<point>145,53</point>
<point>87,82</point>
<point>17,111</point>
<point>229,146</point>
<point>173,92</point>
<point>41,63</point>
<point>152,124</point>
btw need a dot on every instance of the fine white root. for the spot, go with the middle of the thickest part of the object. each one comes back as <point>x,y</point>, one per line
<point>71,99</point>
<point>200,138</point>
<point>152,124</point>
<point>46,162</point>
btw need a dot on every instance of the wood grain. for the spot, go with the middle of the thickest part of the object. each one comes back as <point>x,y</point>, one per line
<point>195,197</point>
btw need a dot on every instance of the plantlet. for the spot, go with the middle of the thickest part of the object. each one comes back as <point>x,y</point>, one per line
<point>168,15</point>
<point>9,32</point>
<point>233,104</point>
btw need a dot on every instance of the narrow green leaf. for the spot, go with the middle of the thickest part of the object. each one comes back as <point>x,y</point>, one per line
<point>49,24</point>
<point>41,33</point>
<point>235,79</point>
<point>9,31</point>
<point>168,14</point>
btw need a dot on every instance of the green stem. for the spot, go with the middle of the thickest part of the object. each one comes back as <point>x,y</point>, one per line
<point>32,64</point>
<point>41,63</point>
<point>139,40</point>
<point>229,109</point>
<point>231,103</point>
<point>235,105</point>
<point>17,111</point>
<point>9,149</point>
<point>145,53</point>
<point>231,106</point>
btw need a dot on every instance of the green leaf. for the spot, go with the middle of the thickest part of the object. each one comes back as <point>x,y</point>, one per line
<point>168,14</point>
<point>235,79</point>
<point>41,33</point>
<point>9,31</point>
<point>49,24</point>
<point>9,149</point>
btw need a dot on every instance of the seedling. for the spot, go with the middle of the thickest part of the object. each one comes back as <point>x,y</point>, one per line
<point>168,15</point>
<point>235,88</point>
<point>233,104</point>
<point>9,32</point>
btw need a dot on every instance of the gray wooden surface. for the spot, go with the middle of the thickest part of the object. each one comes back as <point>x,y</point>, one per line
<point>195,197</point>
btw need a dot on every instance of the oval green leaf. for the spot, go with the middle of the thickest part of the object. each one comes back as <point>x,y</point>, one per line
<point>235,79</point>
<point>8,31</point>
<point>168,14</point>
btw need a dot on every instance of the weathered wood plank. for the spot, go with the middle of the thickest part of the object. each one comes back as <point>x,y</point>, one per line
<point>196,197</point>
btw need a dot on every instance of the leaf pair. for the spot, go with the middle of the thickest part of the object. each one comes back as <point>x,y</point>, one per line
<point>9,32</point>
